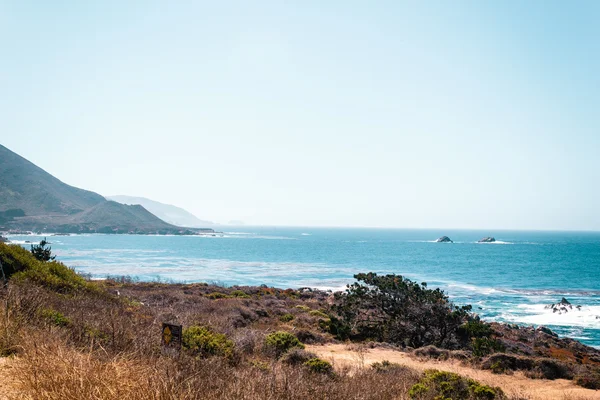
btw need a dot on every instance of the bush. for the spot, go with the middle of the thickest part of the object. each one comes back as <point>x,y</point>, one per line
<point>432,352</point>
<point>217,295</point>
<point>482,346</point>
<point>393,309</point>
<point>386,366</point>
<point>588,380</point>
<point>41,252</point>
<point>281,342</point>
<point>297,356</point>
<point>317,313</point>
<point>448,385</point>
<point>54,276</point>
<point>319,366</point>
<point>286,317</point>
<point>55,317</point>
<point>239,294</point>
<point>14,258</point>
<point>201,340</point>
<point>540,368</point>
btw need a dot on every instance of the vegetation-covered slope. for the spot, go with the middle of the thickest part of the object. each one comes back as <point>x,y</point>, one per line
<point>32,199</point>
<point>27,187</point>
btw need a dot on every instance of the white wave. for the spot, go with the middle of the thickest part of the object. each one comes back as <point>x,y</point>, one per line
<point>496,242</point>
<point>22,242</point>
<point>305,234</point>
<point>473,288</point>
<point>538,314</point>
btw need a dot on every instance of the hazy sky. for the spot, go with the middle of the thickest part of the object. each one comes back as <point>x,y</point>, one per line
<point>456,114</point>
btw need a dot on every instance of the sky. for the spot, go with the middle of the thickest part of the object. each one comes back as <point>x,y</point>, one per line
<point>410,114</point>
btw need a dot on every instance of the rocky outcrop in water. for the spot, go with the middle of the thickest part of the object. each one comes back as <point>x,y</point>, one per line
<point>4,240</point>
<point>487,239</point>
<point>444,239</point>
<point>563,306</point>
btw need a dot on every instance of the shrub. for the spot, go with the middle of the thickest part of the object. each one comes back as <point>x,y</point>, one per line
<point>41,252</point>
<point>501,362</point>
<point>286,317</point>
<point>448,385</point>
<point>482,346</point>
<point>588,380</point>
<point>432,352</point>
<point>281,342</point>
<point>297,356</point>
<point>303,308</point>
<point>386,366</point>
<point>317,313</point>
<point>319,366</point>
<point>393,309</point>
<point>14,258</point>
<point>54,276</point>
<point>55,317</point>
<point>240,294</point>
<point>201,340</point>
<point>217,295</point>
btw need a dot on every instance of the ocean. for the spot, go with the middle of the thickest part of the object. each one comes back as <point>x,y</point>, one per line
<point>512,280</point>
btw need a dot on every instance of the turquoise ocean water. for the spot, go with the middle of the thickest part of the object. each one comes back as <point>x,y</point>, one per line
<point>511,280</point>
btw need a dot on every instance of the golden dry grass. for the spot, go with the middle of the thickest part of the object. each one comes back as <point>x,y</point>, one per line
<point>516,385</point>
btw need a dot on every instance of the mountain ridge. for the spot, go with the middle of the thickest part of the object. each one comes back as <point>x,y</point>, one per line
<point>167,212</point>
<point>33,199</point>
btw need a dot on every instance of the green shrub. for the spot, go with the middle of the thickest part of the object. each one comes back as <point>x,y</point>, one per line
<point>317,313</point>
<point>281,342</point>
<point>240,294</point>
<point>54,276</point>
<point>286,317</point>
<point>41,252</point>
<point>217,295</point>
<point>448,385</point>
<point>319,366</point>
<point>303,308</point>
<point>14,258</point>
<point>55,317</point>
<point>482,346</point>
<point>201,340</point>
<point>393,309</point>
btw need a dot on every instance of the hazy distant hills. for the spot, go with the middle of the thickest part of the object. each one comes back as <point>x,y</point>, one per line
<point>169,213</point>
<point>32,199</point>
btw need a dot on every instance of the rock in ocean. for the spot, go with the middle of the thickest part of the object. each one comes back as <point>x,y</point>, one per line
<point>488,239</point>
<point>444,239</point>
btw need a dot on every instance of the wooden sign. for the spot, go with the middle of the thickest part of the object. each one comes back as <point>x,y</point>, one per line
<point>171,335</point>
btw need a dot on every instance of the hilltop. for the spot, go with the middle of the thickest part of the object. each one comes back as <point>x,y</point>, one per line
<point>167,212</point>
<point>32,199</point>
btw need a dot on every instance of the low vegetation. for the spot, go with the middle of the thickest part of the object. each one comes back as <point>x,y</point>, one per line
<point>245,342</point>
<point>440,385</point>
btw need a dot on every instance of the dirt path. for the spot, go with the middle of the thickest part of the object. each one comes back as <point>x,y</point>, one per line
<point>517,384</point>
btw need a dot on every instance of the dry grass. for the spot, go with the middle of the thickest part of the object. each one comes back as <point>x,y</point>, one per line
<point>515,386</point>
<point>105,344</point>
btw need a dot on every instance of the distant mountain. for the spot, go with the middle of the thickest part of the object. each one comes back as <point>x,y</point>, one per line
<point>32,199</point>
<point>169,213</point>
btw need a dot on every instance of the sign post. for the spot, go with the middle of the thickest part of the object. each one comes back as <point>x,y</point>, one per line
<point>171,337</point>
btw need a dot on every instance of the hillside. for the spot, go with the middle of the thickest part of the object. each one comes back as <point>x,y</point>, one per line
<point>32,199</point>
<point>27,187</point>
<point>167,212</point>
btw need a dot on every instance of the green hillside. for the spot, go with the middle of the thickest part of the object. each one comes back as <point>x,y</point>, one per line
<point>32,199</point>
<point>27,187</point>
